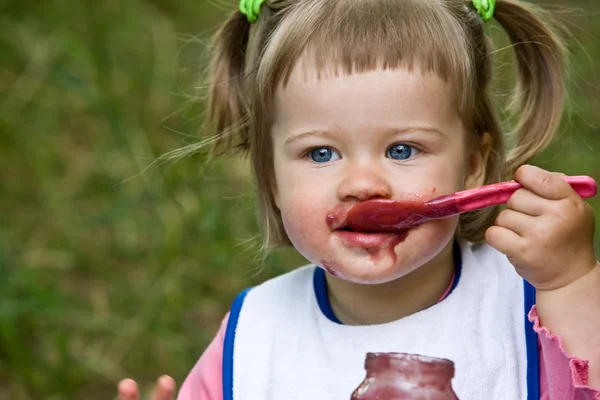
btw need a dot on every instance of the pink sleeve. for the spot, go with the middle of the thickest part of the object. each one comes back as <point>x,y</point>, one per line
<point>205,382</point>
<point>561,376</point>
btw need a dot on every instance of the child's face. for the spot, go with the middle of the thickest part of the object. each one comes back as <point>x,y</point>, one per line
<point>384,134</point>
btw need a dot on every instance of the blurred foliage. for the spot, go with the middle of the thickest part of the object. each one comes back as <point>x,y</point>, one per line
<point>109,267</point>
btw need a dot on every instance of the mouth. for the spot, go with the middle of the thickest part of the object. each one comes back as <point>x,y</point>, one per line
<point>337,220</point>
<point>353,239</point>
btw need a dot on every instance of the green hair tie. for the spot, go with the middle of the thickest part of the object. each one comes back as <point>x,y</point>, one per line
<point>251,9</point>
<point>485,8</point>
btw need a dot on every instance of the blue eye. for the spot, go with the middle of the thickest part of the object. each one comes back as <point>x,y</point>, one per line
<point>323,155</point>
<point>401,152</point>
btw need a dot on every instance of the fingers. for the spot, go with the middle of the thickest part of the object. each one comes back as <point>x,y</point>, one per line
<point>527,202</point>
<point>504,240</point>
<point>165,388</point>
<point>515,221</point>
<point>128,390</point>
<point>546,184</point>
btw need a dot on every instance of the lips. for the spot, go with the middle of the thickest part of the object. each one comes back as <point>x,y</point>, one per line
<point>337,221</point>
<point>366,240</point>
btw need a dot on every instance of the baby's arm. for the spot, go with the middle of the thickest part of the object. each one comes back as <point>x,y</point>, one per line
<point>205,380</point>
<point>561,376</point>
<point>547,234</point>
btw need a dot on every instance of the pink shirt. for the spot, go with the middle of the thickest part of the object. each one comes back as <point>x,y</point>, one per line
<point>561,377</point>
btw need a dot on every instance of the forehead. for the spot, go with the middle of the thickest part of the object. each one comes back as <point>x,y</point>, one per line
<point>379,96</point>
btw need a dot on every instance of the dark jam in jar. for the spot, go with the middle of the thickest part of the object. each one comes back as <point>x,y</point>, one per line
<point>399,376</point>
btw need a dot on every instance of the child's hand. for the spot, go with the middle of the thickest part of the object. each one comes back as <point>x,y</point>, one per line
<point>547,230</point>
<point>165,389</point>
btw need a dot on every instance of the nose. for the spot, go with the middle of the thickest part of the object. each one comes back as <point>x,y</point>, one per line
<point>364,182</point>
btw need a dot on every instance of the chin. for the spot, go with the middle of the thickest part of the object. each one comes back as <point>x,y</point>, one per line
<point>382,265</point>
<point>374,273</point>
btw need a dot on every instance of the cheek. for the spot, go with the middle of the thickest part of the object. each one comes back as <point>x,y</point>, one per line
<point>423,245</point>
<point>446,172</point>
<point>303,204</point>
<point>440,182</point>
<point>304,220</point>
<point>301,216</point>
<point>435,235</point>
<point>439,177</point>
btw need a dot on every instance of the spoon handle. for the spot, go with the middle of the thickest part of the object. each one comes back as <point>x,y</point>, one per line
<point>499,193</point>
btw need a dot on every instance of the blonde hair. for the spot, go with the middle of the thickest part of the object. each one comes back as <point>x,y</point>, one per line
<point>445,37</point>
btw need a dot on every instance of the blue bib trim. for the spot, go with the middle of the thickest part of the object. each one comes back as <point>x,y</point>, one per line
<point>531,341</point>
<point>320,286</point>
<point>229,343</point>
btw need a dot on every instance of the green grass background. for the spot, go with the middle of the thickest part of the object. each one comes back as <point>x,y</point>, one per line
<point>111,269</point>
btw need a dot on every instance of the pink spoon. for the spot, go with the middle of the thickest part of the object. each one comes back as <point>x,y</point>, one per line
<point>381,215</point>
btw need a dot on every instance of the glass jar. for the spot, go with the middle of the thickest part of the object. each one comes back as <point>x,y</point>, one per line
<point>400,376</point>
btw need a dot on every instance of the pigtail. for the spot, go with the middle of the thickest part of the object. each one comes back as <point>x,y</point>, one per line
<point>540,93</point>
<point>228,110</point>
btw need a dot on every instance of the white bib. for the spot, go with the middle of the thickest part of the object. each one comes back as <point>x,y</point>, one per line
<point>280,345</point>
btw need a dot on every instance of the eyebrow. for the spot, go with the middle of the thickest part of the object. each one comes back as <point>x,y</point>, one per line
<point>293,138</point>
<point>387,129</point>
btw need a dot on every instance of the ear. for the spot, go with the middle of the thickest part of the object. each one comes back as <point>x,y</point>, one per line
<point>477,162</point>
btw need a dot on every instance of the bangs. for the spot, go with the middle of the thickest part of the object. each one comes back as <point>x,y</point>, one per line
<point>355,36</point>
